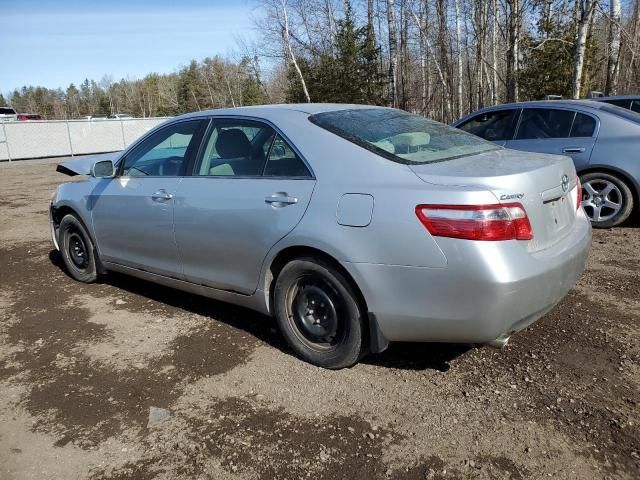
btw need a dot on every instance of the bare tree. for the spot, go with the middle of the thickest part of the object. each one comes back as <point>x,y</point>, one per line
<point>494,62</point>
<point>514,19</point>
<point>292,57</point>
<point>459,55</point>
<point>584,18</point>
<point>615,12</point>
<point>429,51</point>
<point>634,44</point>
<point>393,54</point>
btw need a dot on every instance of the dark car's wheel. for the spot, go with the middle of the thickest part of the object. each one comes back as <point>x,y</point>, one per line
<point>607,200</point>
<point>77,250</point>
<point>319,314</point>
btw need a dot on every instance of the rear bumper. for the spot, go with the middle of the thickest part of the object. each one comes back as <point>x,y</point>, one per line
<point>487,289</point>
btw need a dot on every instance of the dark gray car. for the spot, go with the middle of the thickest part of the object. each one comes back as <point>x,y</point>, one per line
<point>630,102</point>
<point>602,139</point>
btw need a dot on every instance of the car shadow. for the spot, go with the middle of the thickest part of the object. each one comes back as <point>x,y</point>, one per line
<point>418,356</point>
<point>632,223</point>
<point>408,356</point>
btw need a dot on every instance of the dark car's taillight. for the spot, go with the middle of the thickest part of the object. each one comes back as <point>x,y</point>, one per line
<point>502,221</point>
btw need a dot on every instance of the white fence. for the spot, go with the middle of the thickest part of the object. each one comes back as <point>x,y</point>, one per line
<point>20,140</point>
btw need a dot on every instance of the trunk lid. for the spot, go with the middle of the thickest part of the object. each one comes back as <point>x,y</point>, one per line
<point>544,184</point>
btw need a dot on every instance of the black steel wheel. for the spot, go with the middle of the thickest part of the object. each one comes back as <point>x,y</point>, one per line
<point>319,313</point>
<point>77,249</point>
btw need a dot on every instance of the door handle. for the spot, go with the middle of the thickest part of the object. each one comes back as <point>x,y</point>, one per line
<point>573,150</point>
<point>280,199</point>
<point>161,195</point>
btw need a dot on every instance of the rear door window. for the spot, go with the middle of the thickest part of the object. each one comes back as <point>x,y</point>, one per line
<point>492,126</point>
<point>236,148</point>
<point>283,161</point>
<point>540,123</point>
<point>583,126</point>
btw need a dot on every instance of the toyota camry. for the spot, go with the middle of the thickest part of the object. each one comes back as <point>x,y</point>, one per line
<point>353,226</point>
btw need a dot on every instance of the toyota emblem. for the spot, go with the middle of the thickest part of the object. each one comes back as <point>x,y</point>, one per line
<point>565,183</point>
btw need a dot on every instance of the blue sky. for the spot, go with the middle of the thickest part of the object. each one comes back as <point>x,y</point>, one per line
<point>55,42</point>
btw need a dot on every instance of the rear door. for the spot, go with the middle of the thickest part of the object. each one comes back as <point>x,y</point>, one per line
<point>497,126</point>
<point>557,131</point>
<point>248,190</point>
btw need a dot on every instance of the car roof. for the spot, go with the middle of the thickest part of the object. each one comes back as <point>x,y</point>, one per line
<point>580,104</point>
<point>277,110</point>
<point>548,103</point>
<point>618,97</point>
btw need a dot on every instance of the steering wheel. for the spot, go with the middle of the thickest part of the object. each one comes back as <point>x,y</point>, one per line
<point>170,167</point>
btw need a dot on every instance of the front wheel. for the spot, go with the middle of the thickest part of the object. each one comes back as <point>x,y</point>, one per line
<point>77,250</point>
<point>319,314</point>
<point>607,200</point>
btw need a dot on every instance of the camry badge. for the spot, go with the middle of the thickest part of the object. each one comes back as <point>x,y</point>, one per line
<point>565,183</point>
<point>511,196</point>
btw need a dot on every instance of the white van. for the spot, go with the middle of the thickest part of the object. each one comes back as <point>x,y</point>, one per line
<point>8,114</point>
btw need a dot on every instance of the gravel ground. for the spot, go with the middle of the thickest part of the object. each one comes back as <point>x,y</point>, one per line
<point>125,379</point>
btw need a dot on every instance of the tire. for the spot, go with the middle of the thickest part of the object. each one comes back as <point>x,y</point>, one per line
<point>607,197</point>
<point>319,314</point>
<point>76,247</point>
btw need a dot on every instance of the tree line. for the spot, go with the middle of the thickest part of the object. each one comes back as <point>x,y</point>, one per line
<point>440,58</point>
<point>211,83</point>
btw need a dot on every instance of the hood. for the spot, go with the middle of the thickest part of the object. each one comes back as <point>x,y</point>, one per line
<point>82,166</point>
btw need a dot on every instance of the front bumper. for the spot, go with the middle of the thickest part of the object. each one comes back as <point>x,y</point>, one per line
<point>53,228</point>
<point>487,290</point>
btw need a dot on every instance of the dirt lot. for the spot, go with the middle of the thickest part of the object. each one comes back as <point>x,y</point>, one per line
<point>125,379</point>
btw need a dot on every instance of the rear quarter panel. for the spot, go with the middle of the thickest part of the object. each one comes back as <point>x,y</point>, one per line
<point>394,236</point>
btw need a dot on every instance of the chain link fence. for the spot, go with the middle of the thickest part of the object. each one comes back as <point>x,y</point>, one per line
<point>22,140</point>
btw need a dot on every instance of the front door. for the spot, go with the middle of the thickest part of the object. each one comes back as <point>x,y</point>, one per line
<point>497,126</point>
<point>133,213</point>
<point>248,190</point>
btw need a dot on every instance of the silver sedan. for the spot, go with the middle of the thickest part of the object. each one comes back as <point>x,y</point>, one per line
<point>354,226</point>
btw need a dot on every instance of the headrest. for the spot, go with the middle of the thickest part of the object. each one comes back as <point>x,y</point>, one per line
<point>233,143</point>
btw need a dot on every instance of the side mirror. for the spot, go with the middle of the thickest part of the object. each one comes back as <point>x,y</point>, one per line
<point>103,169</point>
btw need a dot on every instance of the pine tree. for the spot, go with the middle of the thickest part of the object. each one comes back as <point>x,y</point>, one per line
<point>351,76</point>
<point>549,66</point>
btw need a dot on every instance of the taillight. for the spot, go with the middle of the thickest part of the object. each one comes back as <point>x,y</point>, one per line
<point>502,221</point>
<point>579,188</point>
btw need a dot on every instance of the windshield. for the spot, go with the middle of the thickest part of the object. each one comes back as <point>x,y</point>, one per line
<point>401,136</point>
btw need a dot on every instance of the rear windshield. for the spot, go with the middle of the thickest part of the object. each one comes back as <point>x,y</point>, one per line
<point>7,111</point>
<point>621,112</point>
<point>401,136</point>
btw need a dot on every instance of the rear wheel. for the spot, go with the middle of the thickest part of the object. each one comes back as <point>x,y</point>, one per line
<point>319,314</point>
<point>607,200</point>
<point>77,250</point>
